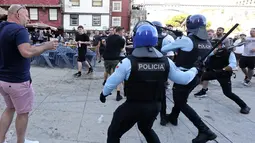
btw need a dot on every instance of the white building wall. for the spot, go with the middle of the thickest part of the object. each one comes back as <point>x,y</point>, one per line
<point>86,7</point>
<point>85,11</point>
<point>86,22</point>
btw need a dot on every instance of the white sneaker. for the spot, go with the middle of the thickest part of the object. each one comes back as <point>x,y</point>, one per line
<point>247,83</point>
<point>29,141</point>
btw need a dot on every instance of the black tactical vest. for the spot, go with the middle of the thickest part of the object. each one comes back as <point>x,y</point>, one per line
<point>160,41</point>
<point>146,82</point>
<point>219,60</point>
<point>187,59</point>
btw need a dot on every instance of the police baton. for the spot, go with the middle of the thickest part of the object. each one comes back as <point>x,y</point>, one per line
<point>219,42</point>
<point>176,32</point>
<point>240,44</point>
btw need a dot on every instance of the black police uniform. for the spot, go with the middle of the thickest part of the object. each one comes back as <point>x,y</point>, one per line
<point>163,101</point>
<point>160,41</point>
<point>181,92</point>
<point>214,71</point>
<point>143,90</point>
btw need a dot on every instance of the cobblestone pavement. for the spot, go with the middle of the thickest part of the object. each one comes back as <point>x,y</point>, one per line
<point>67,109</point>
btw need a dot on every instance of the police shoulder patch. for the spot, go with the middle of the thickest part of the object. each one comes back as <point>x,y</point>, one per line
<point>151,66</point>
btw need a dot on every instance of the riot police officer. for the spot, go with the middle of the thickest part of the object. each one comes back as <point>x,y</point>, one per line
<point>162,39</point>
<point>161,36</point>
<point>203,91</point>
<point>220,67</point>
<point>190,48</point>
<point>145,72</point>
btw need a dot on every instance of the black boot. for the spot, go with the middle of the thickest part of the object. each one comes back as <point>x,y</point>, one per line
<point>205,136</point>
<point>172,119</point>
<point>78,74</point>
<point>245,110</point>
<point>118,97</point>
<point>90,70</point>
<point>163,120</point>
<point>201,93</point>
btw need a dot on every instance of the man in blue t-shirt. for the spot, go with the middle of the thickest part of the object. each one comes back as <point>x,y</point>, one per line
<point>15,79</point>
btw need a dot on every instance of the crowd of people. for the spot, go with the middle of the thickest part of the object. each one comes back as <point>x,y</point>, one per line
<point>244,54</point>
<point>147,61</point>
<point>110,45</point>
<point>154,57</point>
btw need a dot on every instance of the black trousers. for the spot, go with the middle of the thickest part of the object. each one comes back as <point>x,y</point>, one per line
<point>180,97</point>
<point>163,106</point>
<point>130,113</point>
<point>224,78</point>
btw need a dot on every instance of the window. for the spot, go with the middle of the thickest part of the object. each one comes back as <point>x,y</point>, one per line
<point>74,20</point>
<point>53,14</point>
<point>116,21</point>
<point>75,2</point>
<point>97,3</point>
<point>116,6</point>
<point>96,20</point>
<point>33,12</point>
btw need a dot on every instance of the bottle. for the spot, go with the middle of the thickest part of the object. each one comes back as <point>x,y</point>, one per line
<point>100,119</point>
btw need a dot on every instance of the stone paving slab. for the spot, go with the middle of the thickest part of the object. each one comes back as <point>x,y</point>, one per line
<point>67,109</point>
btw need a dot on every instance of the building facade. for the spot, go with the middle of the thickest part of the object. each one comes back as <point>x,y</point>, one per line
<point>91,14</point>
<point>245,2</point>
<point>137,14</point>
<point>120,13</point>
<point>43,11</point>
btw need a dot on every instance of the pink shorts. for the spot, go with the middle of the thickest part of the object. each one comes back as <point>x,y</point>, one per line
<point>18,95</point>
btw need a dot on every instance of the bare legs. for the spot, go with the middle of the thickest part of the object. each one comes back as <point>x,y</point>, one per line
<point>21,125</point>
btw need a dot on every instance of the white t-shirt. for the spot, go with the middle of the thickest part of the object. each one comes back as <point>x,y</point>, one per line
<point>239,49</point>
<point>168,39</point>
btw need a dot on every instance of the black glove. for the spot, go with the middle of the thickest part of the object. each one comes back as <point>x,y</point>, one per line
<point>178,33</point>
<point>200,67</point>
<point>103,97</point>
